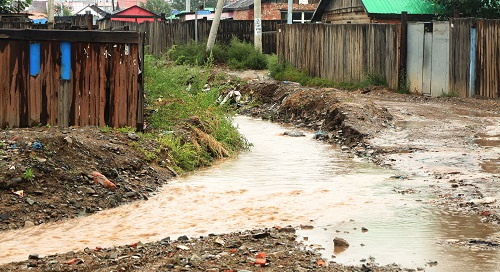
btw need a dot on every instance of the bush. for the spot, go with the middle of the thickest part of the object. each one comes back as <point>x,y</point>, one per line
<point>237,55</point>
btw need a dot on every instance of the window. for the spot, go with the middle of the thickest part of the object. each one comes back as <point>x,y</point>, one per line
<point>88,12</point>
<point>298,16</point>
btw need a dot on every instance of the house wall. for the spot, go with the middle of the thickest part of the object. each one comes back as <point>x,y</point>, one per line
<point>96,16</point>
<point>271,11</point>
<point>345,11</point>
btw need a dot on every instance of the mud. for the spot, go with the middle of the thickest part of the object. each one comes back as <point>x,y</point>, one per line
<point>450,143</point>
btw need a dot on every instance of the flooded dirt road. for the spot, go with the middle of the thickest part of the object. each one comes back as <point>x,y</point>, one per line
<point>283,181</point>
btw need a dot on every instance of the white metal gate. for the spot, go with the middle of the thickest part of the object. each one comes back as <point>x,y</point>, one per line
<point>428,58</point>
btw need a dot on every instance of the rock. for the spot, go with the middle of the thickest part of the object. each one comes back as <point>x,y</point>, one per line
<point>294,133</point>
<point>28,224</point>
<point>30,201</point>
<point>363,229</point>
<point>16,180</point>
<point>130,194</point>
<point>86,190</point>
<point>133,136</point>
<point>287,229</point>
<point>182,238</point>
<point>4,217</point>
<point>261,235</point>
<point>41,160</point>
<point>68,139</point>
<point>340,242</point>
<point>33,257</point>
<point>485,200</point>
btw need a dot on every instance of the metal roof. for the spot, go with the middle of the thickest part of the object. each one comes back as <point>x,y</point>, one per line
<point>398,6</point>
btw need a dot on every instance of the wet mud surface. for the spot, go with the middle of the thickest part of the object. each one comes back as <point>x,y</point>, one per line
<point>450,143</point>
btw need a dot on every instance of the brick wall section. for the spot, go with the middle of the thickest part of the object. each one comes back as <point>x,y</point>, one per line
<point>271,11</point>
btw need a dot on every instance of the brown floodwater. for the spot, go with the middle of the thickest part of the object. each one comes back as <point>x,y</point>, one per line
<point>281,181</point>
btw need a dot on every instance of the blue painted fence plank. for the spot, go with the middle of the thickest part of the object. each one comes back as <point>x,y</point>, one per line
<point>65,60</point>
<point>34,59</point>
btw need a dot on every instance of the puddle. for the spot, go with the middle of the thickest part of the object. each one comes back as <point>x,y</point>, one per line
<point>281,181</point>
<point>491,166</point>
<point>474,113</point>
<point>415,124</point>
<point>487,140</point>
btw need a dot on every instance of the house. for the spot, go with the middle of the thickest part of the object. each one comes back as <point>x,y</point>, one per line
<point>134,14</point>
<point>93,10</point>
<point>207,13</point>
<point>372,11</point>
<point>273,10</point>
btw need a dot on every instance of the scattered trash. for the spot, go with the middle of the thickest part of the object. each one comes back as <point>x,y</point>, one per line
<point>183,247</point>
<point>321,262</point>
<point>74,261</point>
<point>320,135</point>
<point>20,193</point>
<point>233,97</point>
<point>101,179</point>
<point>36,145</point>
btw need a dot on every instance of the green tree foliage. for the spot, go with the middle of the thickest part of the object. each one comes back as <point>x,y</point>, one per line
<point>62,10</point>
<point>13,6</point>
<point>469,8</point>
<point>156,6</point>
<point>180,5</point>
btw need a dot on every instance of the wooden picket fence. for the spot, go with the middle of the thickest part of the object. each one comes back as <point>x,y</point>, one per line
<point>162,35</point>
<point>341,53</point>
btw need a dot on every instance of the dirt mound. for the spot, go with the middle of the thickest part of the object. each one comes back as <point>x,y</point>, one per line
<point>47,174</point>
<point>333,113</point>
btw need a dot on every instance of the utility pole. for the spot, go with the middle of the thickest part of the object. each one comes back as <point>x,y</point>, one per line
<point>50,11</point>
<point>289,15</point>
<point>188,5</point>
<point>257,22</point>
<point>215,25</point>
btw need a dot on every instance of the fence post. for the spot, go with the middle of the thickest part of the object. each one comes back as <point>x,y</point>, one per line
<point>403,51</point>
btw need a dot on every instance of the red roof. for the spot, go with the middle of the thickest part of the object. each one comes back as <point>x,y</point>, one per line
<point>134,11</point>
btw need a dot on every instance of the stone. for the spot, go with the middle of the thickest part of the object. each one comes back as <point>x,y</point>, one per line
<point>30,201</point>
<point>130,194</point>
<point>294,133</point>
<point>28,224</point>
<point>133,136</point>
<point>182,238</point>
<point>261,235</point>
<point>33,257</point>
<point>287,229</point>
<point>340,242</point>
<point>485,200</point>
<point>86,190</point>
<point>68,139</point>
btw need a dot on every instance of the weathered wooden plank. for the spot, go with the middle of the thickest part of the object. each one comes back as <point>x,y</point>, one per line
<point>93,36</point>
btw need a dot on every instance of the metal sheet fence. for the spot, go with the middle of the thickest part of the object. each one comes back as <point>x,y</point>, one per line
<point>342,53</point>
<point>66,78</point>
<point>161,35</point>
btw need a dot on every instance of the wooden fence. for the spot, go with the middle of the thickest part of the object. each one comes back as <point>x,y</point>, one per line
<point>71,78</point>
<point>161,35</point>
<point>483,56</point>
<point>342,53</point>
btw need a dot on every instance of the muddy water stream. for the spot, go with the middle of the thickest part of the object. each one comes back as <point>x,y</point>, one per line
<point>281,181</point>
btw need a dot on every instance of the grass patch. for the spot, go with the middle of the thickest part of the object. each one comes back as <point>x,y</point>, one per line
<point>187,128</point>
<point>237,55</point>
<point>286,72</point>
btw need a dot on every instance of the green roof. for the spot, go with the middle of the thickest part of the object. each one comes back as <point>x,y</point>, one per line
<point>398,6</point>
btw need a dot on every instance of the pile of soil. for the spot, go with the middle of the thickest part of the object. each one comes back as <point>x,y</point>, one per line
<point>47,174</point>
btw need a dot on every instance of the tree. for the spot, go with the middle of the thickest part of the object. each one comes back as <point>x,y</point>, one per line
<point>13,6</point>
<point>62,10</point>
<point>469,8</point>
<point>156,6</point>
<point>180,5</point>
